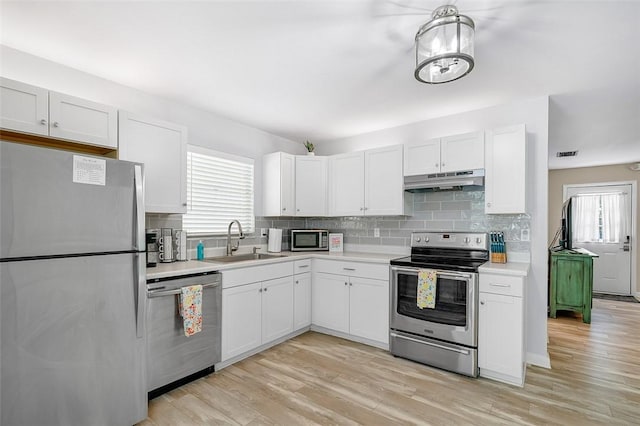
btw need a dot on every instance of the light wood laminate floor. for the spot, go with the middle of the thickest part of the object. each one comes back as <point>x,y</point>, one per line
<point>319,379</point>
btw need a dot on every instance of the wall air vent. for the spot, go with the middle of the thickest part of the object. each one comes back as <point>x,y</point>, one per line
<point>566,153</point>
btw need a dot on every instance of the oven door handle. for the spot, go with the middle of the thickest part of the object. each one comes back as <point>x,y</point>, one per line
<point>447,348</point>
<point>177,291</point>
<point>439,272</point>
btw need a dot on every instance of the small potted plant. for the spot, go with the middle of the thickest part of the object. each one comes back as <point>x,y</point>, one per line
<point>309,147</point>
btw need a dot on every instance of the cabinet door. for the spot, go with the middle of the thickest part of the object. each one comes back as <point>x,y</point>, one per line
<point>570,280</point>
<point>346,190</point>
<point>241,319</point>
<point>311,186</point>
<point>369,309</point>
<point>330,301</point>
<point>383,183</point>
<point>162,147</point>
<point>24,108</point>
<point>277,308</point>
<point>287,184</point>
<point>500,334</point>
<point>80,120</point>
<point>505,171</point>
<point>301,301</point>
<point>421,158</point>
<point>462,152</point>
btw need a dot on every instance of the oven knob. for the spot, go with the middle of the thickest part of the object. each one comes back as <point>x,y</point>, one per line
<point>467,240</point>
<point>418,239</point>
<point>426,239</point>
<point>478,240</point>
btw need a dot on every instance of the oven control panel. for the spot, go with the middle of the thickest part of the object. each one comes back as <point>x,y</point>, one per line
<point>471,240</point>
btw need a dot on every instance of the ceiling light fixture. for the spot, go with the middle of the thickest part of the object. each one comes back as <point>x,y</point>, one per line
<point>444,46</point>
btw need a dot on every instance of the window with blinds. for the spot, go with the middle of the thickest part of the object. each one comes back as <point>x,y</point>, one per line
<point>219,190</point>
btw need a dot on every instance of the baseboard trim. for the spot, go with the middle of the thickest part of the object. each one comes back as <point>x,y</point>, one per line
<point>637,296</point>
<point>539,360</point>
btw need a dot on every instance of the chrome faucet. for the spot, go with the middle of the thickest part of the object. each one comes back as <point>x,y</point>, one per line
<point>230,247</point>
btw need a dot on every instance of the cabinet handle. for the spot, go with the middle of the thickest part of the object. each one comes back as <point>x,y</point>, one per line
<point>43,121</point>
<point>488,204</point>
<point>184,204</point>
<point>56,124</point>
<point>442,164</point>
<point>346,283</point>
<point>366,208</point>
<point>284,209</point>
<point>349,269</point>
<point>499,285</point>
<point>361,208</point>
<point>303,266</point>
<point>259,290</point>
<point>297,281</point>
<point>437,164</point>
<point>297,210</point>
<point>350,284</point>
<point>266,289</point>
<point>482,302</point>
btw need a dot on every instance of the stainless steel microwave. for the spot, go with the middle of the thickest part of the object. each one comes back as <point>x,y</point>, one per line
<point>309,239</point>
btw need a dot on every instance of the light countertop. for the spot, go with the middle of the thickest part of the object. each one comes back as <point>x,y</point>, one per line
<point>174,269</point>
<point>519,269</point>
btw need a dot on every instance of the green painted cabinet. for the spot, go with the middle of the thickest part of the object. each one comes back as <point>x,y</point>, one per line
<point>571,283</point>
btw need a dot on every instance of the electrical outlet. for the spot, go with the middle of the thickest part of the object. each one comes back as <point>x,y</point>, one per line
<point>376,232</point>
<point>524,235</point>
<point>263,232</point>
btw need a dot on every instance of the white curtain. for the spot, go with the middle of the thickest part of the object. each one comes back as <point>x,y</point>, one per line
<point>585,218</point>
<point>600,218</point>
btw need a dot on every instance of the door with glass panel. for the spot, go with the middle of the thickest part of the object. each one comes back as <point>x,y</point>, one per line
<point>602,223</point>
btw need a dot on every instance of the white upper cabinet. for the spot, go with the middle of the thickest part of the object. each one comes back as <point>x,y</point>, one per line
<point>81,120</point>
<point>383,183</point>
<point>162,147</point>
<point>421,158</point>
<point>278,184</point>
<point>462,152</point>
<point>24,108</point>
<point>366,183</point>
<point>346,190</point>
<point>447,154</point>
<point>506,170</point>
<point>311,186</point>
<point>31,109</point>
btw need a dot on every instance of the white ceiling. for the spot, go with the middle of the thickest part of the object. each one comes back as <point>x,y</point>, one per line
<point>319,70</point>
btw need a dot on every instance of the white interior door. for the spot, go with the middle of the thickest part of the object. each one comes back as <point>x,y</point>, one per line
<point>612,269</point>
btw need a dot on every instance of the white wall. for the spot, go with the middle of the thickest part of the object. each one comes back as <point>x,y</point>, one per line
<point>205,128</point>
<point>535,114</point>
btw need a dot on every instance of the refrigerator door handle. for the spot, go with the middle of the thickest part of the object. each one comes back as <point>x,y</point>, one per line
<point>138,223</point>
<point>139,279</point>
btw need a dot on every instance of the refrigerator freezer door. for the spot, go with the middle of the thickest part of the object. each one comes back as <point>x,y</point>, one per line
<point>70,354</point>
<point>49,210</point>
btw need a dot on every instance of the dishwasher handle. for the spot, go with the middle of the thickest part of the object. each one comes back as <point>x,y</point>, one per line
<point>178,290</point>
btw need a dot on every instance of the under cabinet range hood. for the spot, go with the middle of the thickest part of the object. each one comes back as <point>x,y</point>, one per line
<point>444,181</point>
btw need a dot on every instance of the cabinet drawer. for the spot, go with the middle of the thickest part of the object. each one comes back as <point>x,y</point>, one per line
<point>301,266</point>
<point>502,284</point>
<point>354,269</point>
<point>252,274</point>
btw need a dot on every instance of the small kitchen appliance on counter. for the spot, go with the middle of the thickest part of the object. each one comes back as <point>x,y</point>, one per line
<point>152,247</point>
<point>442,270</point>
<point>165,245</point>
<point>309,240</point>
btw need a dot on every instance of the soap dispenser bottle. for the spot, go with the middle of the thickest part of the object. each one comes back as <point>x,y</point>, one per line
<point>200,251</point>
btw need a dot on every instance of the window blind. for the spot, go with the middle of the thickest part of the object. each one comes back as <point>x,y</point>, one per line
<point>219,190</point>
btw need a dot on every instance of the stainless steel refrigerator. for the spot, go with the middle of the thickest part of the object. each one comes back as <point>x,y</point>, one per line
<point>73,293</point>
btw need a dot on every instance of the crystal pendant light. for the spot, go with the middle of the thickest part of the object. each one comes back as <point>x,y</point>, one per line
<point>444,47</point>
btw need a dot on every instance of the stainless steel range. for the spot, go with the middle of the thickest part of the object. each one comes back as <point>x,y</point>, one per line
<point>446,334</point>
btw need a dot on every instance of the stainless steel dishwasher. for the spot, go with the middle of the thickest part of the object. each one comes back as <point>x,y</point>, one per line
<point>173,358</point>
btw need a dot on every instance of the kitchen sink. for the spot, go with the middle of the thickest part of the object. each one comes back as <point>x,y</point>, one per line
<point>242,257</point>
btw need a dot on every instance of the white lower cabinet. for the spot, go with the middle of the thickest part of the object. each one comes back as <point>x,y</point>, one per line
<point>241,319</point>
<point>301,300</point>
<point>501,337</point>
<point>257,307</point>
<point>346,302</point>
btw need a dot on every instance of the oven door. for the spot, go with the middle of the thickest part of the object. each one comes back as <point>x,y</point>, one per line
<point>454,317</point>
